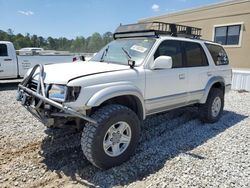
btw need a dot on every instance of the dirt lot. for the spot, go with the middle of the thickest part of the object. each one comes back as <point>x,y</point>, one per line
<point>176,150</point>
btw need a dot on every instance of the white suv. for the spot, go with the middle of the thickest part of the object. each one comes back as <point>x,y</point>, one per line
<point>148,68</point>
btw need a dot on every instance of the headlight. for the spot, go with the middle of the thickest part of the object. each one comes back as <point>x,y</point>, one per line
<point>63,93</point>
<point>58,93</point>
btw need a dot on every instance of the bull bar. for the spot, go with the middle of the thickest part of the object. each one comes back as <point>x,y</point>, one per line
<point>23,90</point>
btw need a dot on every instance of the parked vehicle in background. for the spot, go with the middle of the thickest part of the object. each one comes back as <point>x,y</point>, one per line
<point>148,68</point>
<point>85,57</point>
<point>30,51</point>
<point>13,66</point>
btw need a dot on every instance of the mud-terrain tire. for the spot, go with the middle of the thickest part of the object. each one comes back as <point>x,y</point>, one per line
<point>117,130</point>
<point>211,111</point>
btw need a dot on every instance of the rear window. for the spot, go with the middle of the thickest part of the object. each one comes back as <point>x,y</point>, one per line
<point>218,54</point>
<point>3,50</point>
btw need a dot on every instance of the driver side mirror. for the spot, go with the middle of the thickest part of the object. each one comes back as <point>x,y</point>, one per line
<point>162,62</point>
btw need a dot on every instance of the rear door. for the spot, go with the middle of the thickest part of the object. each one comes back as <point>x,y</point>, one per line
<point>199,71</point>
<point>8,67</point>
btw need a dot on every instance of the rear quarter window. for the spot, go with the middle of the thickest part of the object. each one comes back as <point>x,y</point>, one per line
<point>218,54</point>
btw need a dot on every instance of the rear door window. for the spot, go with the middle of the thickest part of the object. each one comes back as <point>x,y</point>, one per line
<point>195,55</point>
<point>218,54</point>
<point>3,50</point>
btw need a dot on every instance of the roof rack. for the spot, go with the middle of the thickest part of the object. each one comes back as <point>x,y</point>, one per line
<point>154,29</point>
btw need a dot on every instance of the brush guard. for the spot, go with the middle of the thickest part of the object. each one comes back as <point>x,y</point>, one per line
<point>24,94</point>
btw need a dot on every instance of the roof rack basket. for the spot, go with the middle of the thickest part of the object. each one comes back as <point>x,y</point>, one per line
<point>154,29</point>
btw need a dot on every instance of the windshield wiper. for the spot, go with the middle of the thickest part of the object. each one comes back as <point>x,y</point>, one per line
<point>126,52</point>
<point>131,62</point>
<point>104,54</point>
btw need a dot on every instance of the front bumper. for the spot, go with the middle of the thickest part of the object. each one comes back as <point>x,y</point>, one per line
<point>33,100</point>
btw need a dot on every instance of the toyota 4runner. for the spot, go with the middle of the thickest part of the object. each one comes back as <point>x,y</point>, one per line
<point>148,68</point>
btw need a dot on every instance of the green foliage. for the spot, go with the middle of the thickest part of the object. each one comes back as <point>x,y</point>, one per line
<point>80,44</point>
<point>95,42</point>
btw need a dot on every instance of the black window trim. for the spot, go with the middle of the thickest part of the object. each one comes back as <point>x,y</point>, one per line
<point>227,26</point>
<point>184,57</point>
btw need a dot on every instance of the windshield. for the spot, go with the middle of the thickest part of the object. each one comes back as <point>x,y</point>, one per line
<point>120,50</point>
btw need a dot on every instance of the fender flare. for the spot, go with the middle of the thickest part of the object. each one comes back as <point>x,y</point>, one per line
<point>115,91</point>
<point>209,85</point>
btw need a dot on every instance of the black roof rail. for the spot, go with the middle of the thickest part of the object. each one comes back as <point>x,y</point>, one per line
<point>154,29</point>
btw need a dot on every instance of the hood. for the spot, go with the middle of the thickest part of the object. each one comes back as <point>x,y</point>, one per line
<point>63,73</point>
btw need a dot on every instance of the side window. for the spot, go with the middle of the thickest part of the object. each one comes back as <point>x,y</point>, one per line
<point>3,50</point>
<point>195,55</point>
<point>173,49</point>
<point>218,54</point>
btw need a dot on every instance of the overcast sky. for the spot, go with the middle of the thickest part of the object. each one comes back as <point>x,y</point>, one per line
<point>71,18</point>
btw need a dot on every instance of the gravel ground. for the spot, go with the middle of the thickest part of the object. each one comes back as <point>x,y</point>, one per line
<point>176,150</point>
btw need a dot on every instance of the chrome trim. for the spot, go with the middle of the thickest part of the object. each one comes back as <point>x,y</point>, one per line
<point>171,107</point>
<point>164,103</point>
<point>165,97</point>
<point>175,95</point>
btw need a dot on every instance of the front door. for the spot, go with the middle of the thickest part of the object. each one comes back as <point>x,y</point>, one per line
<point>167,88</point>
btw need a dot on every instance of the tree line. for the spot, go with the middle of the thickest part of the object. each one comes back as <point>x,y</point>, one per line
<point>80,44</point>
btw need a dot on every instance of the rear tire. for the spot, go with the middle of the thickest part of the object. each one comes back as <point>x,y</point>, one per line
<point>113,139</point>
<point>211,111</point>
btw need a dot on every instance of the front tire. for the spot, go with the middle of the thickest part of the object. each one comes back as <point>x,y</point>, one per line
<point>113,139</point>
<point>211,111</point>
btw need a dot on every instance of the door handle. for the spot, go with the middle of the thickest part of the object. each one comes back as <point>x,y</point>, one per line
<point>7,59</point>
<point>181,76</point>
